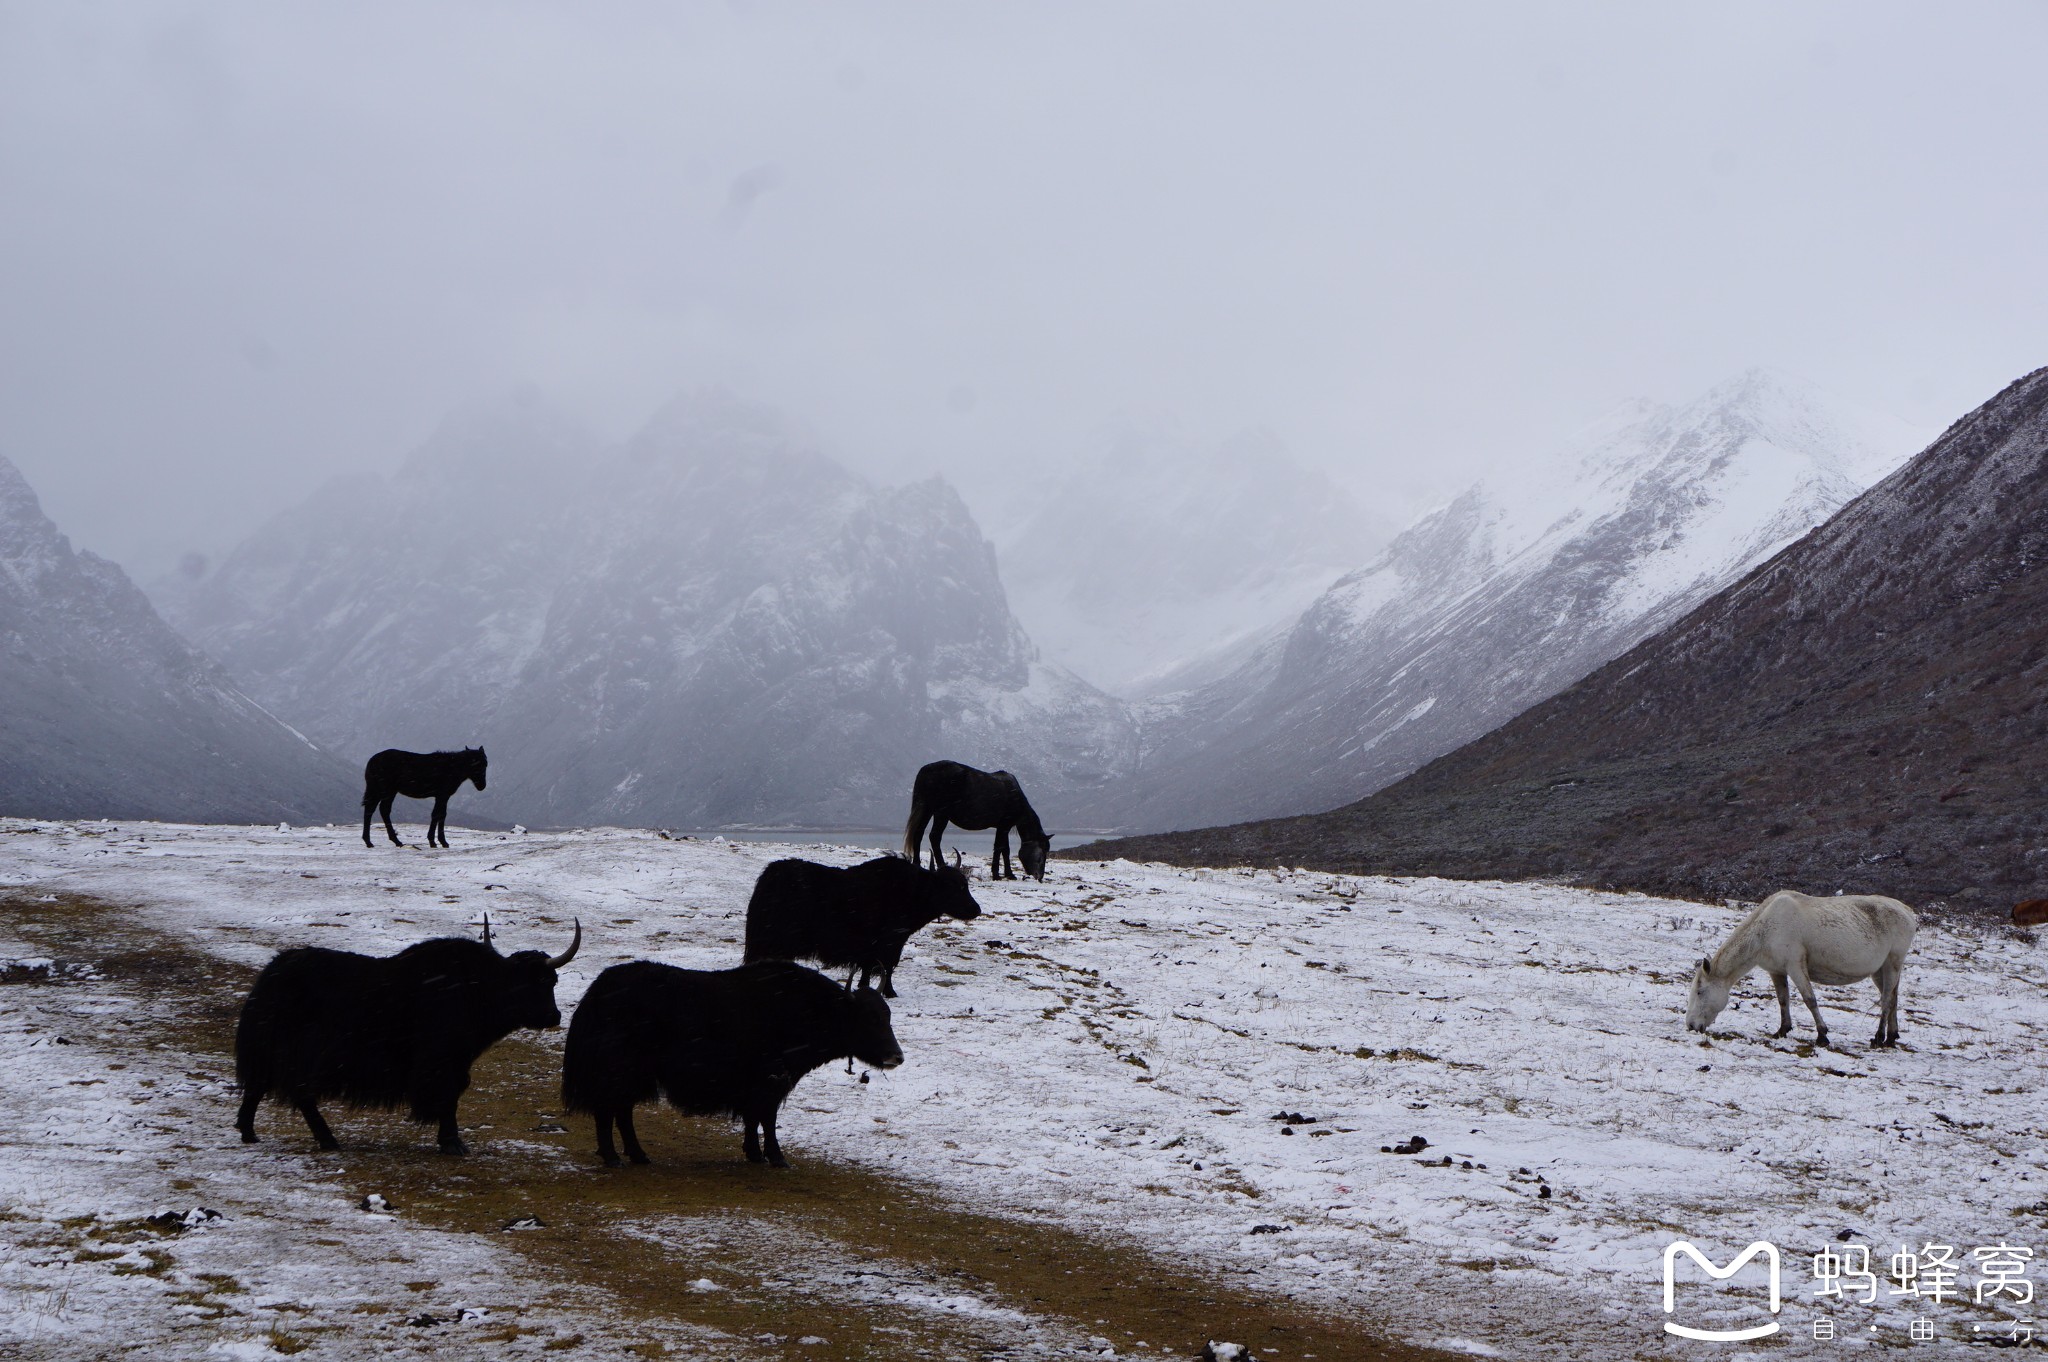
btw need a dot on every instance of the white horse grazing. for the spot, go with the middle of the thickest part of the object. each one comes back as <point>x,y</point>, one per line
<point>1811,941</point>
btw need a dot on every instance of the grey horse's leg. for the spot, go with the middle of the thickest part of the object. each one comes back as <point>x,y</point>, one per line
<point>1784,1005</point>
<point>385,809</point>
<point>1888,1000</point>
<point>1799,977</point>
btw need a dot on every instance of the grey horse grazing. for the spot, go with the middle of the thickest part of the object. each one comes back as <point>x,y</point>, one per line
<point>1809,940</point>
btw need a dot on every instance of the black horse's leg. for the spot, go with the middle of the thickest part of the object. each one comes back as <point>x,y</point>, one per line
<point>369,812</point>
<point>385,809</point>
<point>999,859</point>
<point>938,831</point>
<point>245,1119</point>
<point>439,826</point>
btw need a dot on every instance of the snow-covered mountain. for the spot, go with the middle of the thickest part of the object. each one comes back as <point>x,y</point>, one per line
<point>712,625</point>
<point>109,714</point>
<point>1163,565</point>
<point>1516,589</point>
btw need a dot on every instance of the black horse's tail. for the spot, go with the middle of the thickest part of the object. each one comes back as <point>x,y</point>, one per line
<point>914,829</point>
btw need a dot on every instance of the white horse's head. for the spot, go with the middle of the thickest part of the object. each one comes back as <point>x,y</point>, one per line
<point>1707,997</point>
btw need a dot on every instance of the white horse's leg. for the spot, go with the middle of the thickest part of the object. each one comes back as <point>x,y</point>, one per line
<point>1799,977</point>
<point>1887,981</point>
<point>1888,1018</point>
<point>1784,1004</point>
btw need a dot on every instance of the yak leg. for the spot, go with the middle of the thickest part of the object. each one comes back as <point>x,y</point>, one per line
<point>245,1119</point>
<point>315,1122</point>
<point>438,825</point>
<point>750,1143</point>
<point>1784,1005</point>
<point>1799,977</point>
<point>770,1145</point>
<point>605,1152</point>
<point>450,1138</point>
<point>385,809</point>
<point>624,1116</point>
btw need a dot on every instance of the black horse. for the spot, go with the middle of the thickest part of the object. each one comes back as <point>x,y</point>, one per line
<point>418,775</point>
<point>947,792</point>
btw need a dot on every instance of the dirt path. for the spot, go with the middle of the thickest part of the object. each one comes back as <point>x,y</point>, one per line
<point>825,1261</point>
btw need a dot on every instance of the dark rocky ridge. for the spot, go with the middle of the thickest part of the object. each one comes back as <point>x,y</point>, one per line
<point>107,713</point>
<point>1863,712</point>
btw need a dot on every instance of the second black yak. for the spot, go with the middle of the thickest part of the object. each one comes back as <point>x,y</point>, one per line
<point>714,1043</point>
<point>855,917</point>
<point>390,1031</point>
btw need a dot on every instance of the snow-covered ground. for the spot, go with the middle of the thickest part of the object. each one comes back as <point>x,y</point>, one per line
<point>1210,1062</point>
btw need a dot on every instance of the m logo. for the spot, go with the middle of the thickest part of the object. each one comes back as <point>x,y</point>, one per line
<point>1764,1330</point>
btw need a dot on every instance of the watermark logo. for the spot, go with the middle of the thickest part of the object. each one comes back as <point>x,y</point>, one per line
<point>1768,1251</point>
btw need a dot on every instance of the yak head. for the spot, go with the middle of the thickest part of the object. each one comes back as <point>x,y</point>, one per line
<point>526,996</point>
<point>871,1039</point>
<point>945,891</point>
<point>1706,998</point>
<point>474,768</point>
<point>1033,850</point>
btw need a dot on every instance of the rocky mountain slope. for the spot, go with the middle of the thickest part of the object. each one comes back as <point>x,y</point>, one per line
<point>109,714</point>
<point>1863,712</point>
<point>1163,566</point>
<point>1517,588</point>
<point>710,626</point>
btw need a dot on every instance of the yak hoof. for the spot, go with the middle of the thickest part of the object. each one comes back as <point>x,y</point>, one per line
<point>457,1147</point>
<point>329,1143</point>
<point>778,1162</point>
<point>611,1160</point>
<point>640,1158</point>
<point>248,1137</point>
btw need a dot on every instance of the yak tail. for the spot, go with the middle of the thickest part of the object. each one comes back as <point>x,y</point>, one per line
<point>914,829</point>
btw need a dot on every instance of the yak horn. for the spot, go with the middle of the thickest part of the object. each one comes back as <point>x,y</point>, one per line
<point>487,929</point>
<point>956,860</point>
<point>557,961</point>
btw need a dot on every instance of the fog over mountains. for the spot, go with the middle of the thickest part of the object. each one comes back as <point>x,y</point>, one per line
<point>1163,566</point>
<point>1517,588</point>
<point>108,713</point>
<point>1861,713</point>
<point>711,625</point>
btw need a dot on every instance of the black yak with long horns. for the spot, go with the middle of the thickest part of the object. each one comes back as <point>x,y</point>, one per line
<point>386,1032</point>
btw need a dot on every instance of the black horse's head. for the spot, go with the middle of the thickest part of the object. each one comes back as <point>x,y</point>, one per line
<point>475,769</point>
<point>1033,850</point>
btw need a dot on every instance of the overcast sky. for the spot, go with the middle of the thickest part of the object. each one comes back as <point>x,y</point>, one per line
<point>246,247</point>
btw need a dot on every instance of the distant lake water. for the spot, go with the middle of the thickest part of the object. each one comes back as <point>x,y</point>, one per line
<point>967,843</point>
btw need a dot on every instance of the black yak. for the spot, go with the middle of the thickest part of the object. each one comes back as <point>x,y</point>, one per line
<point>387,1032</point>
<point>948,792</point>
<point>858,917</point>
<point>713,1042</point>
<point>418,775</point>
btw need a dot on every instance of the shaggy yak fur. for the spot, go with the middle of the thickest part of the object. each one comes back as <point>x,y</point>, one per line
<point>858,917</point>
